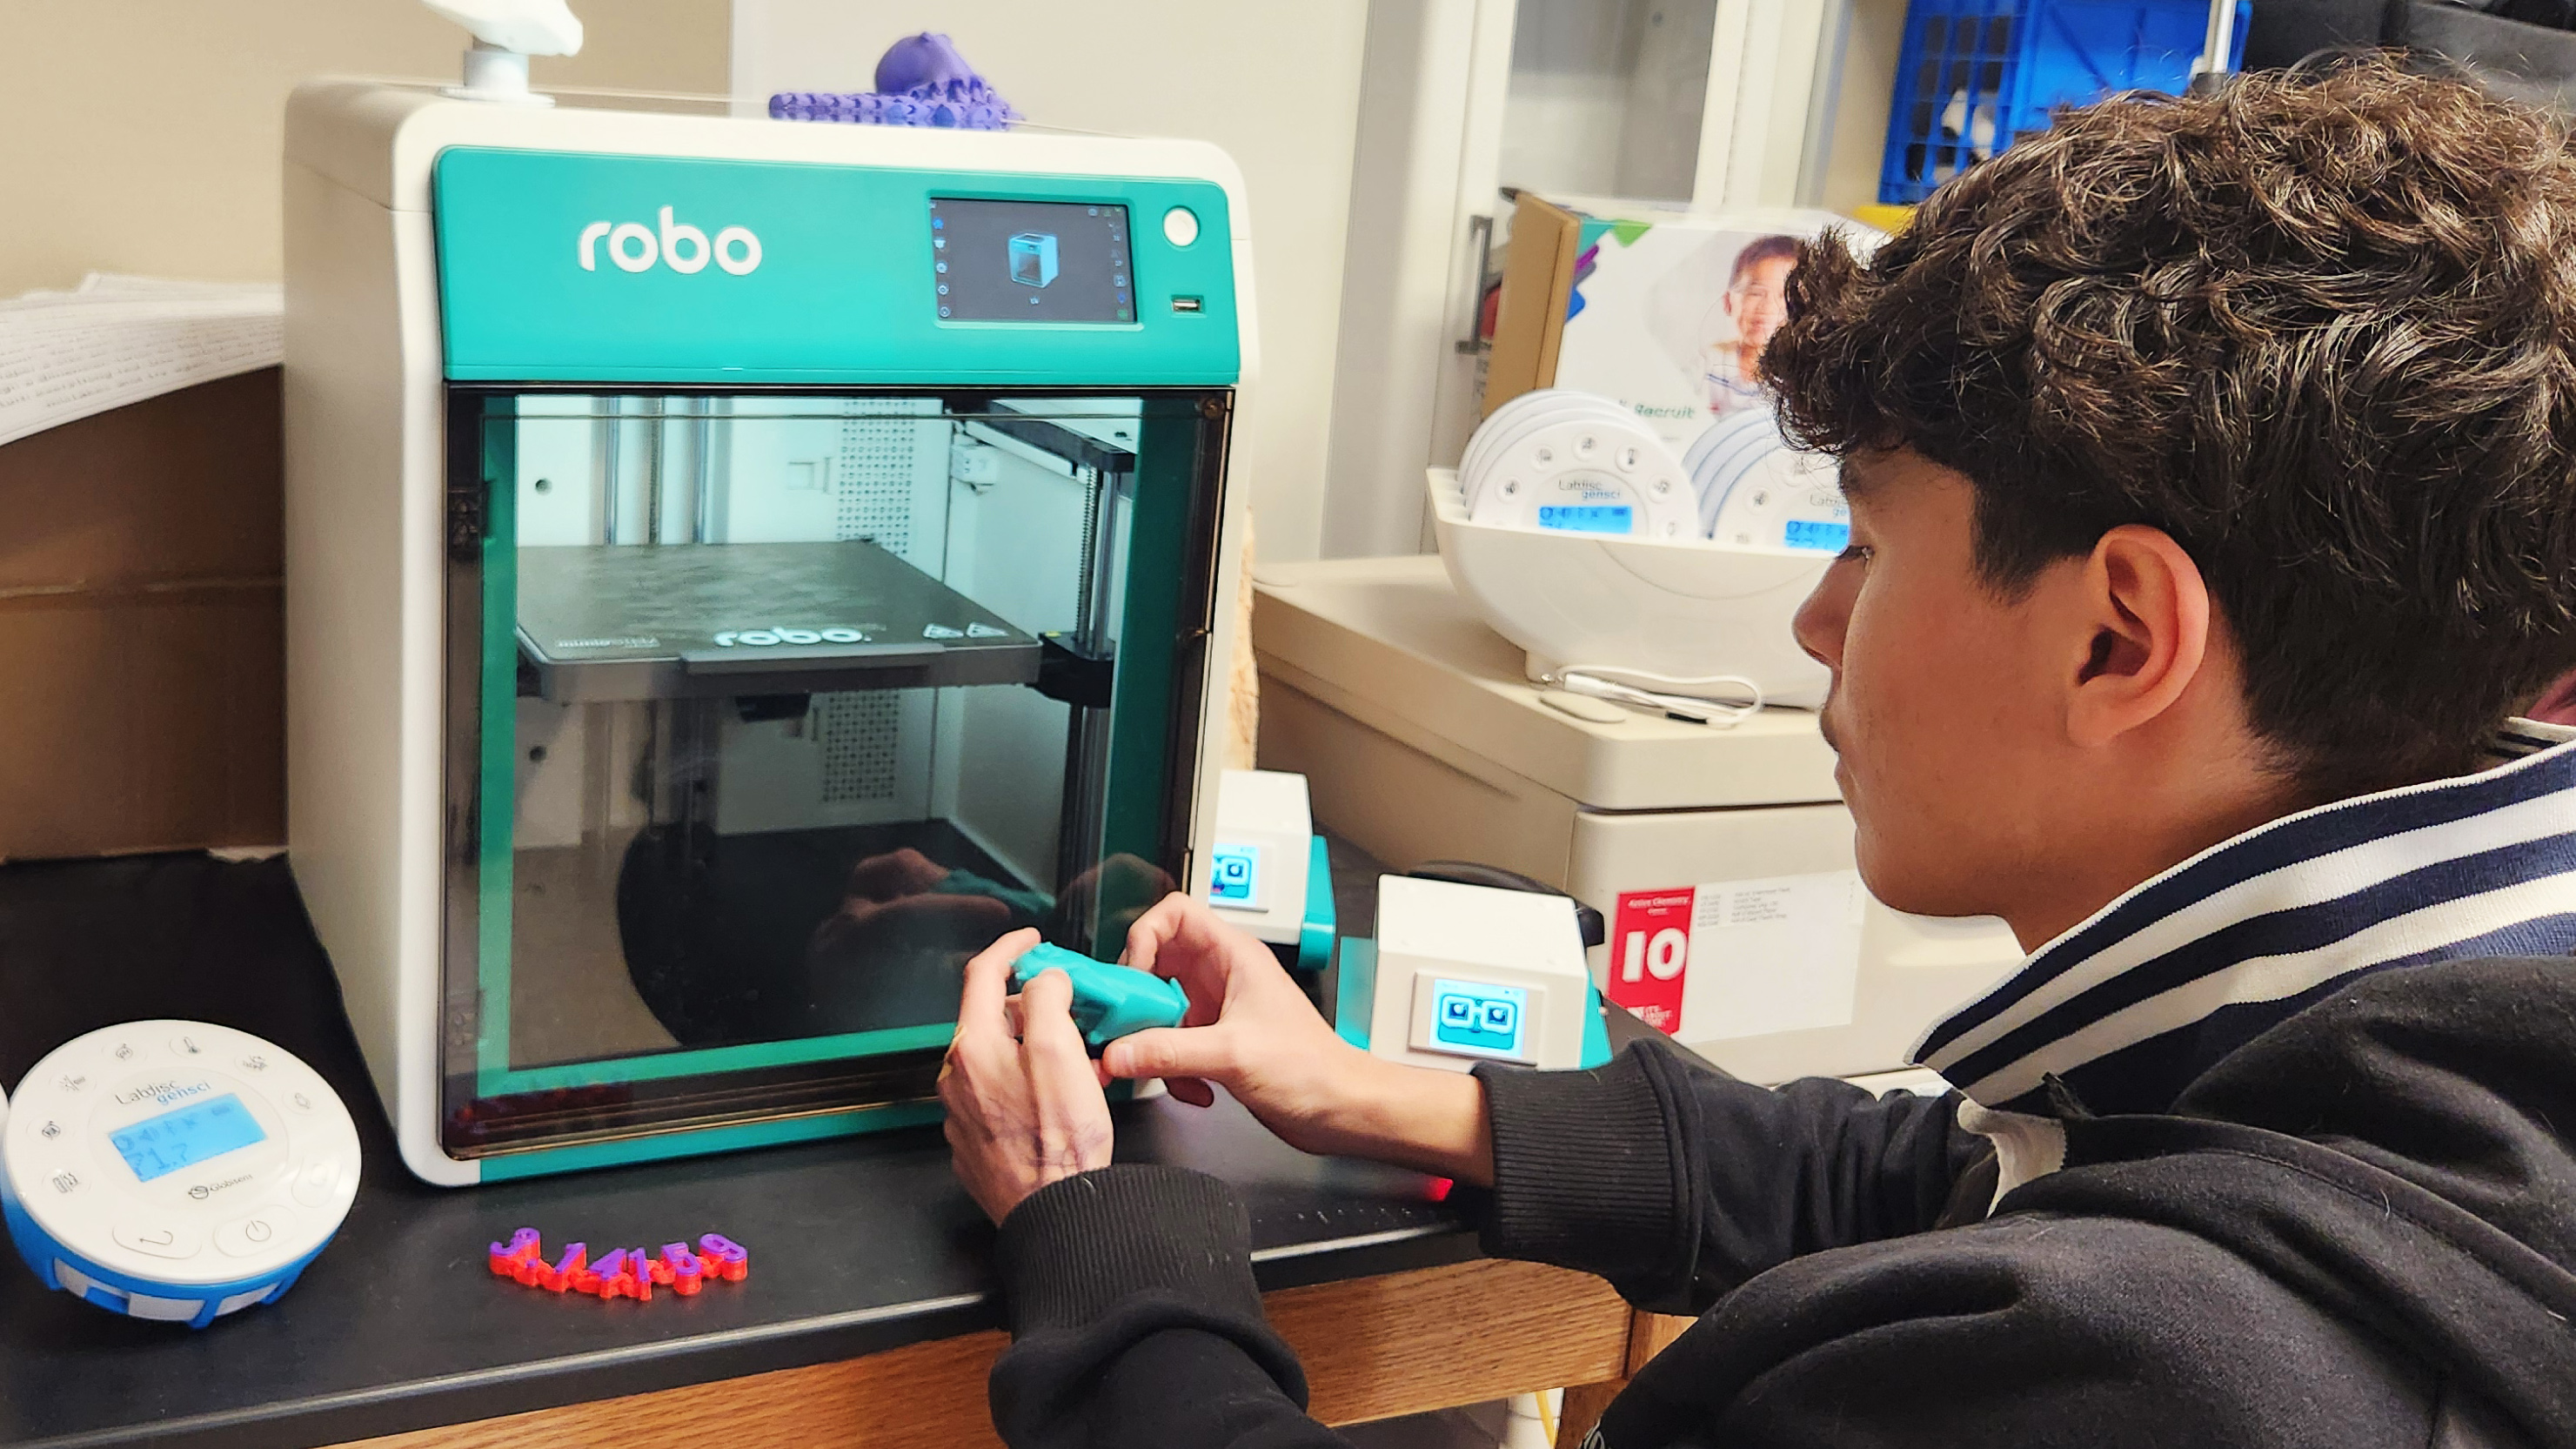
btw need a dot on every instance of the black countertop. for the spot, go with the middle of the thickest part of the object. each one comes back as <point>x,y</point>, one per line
<point>856,1245</point>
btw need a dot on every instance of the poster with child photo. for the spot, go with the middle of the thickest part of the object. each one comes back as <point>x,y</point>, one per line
<point>1670,316</point>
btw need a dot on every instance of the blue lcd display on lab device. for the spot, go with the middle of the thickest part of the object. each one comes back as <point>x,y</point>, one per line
<point>157,1146</point>
<point>1807,533</point>
<point>1586,517</point>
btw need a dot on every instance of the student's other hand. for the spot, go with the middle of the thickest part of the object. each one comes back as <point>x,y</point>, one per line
<point>1251,1031</point>
<point>1249,1027</point>
<point>1024,1100</point>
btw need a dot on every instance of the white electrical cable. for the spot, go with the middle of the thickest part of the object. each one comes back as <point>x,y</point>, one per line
<point>1596,680</point>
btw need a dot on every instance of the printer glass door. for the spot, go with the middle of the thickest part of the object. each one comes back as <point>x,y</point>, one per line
<point>773,709</point>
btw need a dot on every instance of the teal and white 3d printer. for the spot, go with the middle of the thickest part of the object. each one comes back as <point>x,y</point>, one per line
<point>736,568</point>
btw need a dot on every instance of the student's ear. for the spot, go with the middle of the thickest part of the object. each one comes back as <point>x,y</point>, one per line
<point>2148,633</point>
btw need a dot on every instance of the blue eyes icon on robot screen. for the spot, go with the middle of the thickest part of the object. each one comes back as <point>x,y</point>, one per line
<point>1477,1018</point>
<point>1033,258</point>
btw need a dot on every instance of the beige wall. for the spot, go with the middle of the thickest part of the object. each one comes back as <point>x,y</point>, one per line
<point>142,135</point>
<point>1276,85</point>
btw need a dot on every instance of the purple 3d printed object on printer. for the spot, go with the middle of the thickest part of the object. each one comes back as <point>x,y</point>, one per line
<point>921,81</point>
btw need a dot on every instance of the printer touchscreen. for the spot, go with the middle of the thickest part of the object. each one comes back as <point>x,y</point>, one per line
<point>1031,261</point>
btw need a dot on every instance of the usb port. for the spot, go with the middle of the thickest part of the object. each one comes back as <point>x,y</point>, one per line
<point>1185,304</point>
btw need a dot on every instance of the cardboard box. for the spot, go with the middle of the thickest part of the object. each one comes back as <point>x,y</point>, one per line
<point>141,628</point>
<point>1529,317</point>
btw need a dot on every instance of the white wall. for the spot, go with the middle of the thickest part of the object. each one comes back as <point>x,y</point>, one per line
<point>1276,85</point>
<point>1431,105</point>
<point>143,135</point>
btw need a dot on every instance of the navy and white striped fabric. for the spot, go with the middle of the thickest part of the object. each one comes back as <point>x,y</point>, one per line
<point>2128,1007</point>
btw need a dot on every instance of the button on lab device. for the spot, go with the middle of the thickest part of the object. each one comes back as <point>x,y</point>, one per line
<point>1180,226</point>
<point>252,1236</point>
<point>313,1185</point>
<point>176,1241</point>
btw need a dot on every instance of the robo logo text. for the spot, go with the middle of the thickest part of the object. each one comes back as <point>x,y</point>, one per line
<point>635,247</point>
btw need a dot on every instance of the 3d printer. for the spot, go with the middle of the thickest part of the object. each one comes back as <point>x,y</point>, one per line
<point>736,569</point>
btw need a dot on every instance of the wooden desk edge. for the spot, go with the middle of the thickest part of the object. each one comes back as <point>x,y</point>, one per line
<point>1374,1347</point>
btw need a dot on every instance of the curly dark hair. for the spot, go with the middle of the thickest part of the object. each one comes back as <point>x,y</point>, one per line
<point>2317,326</point>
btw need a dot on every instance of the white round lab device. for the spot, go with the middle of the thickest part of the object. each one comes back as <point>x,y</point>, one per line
<point>1583,471</point>
<point>1518,415</point>
<point>1755,491</point>
<point>174,1170</point>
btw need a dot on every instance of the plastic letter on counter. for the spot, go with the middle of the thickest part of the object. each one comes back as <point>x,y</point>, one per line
<point>523,1247</point>
<point>726,1258</point>
<point>686,1271</point>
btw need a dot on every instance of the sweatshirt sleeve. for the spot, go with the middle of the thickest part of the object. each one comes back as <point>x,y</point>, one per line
<point>2034,1328</point>
<point>1676,1182</point>
<point>1135,1320</point>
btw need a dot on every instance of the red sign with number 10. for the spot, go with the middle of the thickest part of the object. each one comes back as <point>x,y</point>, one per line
<point>1650,955</point>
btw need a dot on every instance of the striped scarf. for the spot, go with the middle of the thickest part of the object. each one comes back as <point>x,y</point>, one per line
<point>2129,1006</point>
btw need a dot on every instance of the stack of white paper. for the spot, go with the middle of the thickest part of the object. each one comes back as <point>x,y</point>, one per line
<point>116,340</point>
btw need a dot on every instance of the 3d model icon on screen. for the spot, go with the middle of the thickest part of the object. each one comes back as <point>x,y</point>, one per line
<point>1033,258</point>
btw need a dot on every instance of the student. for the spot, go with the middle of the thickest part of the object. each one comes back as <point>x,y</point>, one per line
<point>2213,508</point>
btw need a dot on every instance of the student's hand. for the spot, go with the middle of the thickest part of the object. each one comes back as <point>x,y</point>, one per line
<point>1024,1100</point>
<point>1253,1032</point>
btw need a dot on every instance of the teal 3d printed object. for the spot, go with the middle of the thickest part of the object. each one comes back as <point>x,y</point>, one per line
<point>1108,1001</point>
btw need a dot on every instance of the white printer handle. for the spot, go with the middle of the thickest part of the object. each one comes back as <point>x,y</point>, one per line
<point>506,33</point>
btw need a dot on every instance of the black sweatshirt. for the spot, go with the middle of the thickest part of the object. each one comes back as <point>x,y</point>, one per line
<point>2356,1229</point>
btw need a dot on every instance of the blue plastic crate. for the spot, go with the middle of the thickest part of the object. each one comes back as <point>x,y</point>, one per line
<point>1973,75</point>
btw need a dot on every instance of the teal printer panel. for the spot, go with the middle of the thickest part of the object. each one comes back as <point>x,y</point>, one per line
<point>579,268</point>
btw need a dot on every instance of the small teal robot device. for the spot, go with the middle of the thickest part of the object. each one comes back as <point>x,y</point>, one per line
<point>1461,974</point>
<point>737,569</point>
<point>1266,870</point>
<point>174,1170</point>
